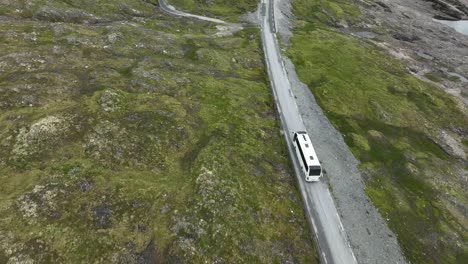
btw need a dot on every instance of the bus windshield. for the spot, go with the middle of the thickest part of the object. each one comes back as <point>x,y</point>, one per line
<point>314,171</point>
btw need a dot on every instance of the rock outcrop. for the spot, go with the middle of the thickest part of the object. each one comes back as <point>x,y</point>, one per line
<point>451,9</point>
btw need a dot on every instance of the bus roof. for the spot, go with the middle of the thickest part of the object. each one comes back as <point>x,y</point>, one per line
<point>308,149</point>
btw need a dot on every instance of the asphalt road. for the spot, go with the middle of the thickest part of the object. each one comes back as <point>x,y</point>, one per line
<point>322,215</point>
<point>318,203</point>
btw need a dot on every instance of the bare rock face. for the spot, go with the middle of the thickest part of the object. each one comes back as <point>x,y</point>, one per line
<point>451,145</point>
<point>427,46</point>
<point>451,9</point>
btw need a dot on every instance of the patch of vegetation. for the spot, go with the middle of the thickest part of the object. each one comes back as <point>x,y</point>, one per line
<point>465,142</point>
<point>4,10</point>
<point>325,11</point>
<point>227,10</point>
<point>392,122</point>
<point>432,77</point>
<point>140,141</point>
<point>78,11</point>
<point>454,78</point>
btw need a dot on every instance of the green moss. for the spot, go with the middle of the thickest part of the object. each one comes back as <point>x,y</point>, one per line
<point>4,10</point>
<point>454,78</point>
<point>153,106</point>
<point>465,142</point>
<point>360,142</point>
<point>325,11</point>
<point>432,77</point>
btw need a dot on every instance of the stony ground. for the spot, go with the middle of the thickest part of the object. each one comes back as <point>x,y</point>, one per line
<point>432,51</point>
<point>130,136</point>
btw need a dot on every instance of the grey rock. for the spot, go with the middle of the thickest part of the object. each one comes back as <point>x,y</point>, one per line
<point>149,255</point>
<point>86,185</point>
<point>109,101</point>
<point>102,216</point>
<point>405,37</point>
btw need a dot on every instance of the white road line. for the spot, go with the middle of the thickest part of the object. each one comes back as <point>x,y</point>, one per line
<point>324,257</point>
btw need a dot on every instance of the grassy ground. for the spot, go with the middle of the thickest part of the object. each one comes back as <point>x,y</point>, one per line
<point>392,122</point>
<point>139,137</point>
<point>228,10</point>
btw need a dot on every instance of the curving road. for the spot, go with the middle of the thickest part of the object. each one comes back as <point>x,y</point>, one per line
<point>321,212</point>
<point>171,10</point>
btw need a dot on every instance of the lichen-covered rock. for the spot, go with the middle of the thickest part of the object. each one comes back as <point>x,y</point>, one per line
<point>50,14</point>
<point>46,134</point>
<point>100,142</point>
<point>450,145</point>
<point>109,101</point>
<point>41,203</point>
<point>114,144</point>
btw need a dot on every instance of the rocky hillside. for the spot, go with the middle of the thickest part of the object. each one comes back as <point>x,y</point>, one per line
<point>130,136</point>
<point>393,82</point>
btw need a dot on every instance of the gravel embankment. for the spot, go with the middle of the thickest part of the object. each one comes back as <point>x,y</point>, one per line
<point>371,239</point>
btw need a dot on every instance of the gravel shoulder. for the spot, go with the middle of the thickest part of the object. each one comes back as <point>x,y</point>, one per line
<point>371,239</point>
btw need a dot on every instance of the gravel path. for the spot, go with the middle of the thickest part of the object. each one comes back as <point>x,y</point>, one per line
<point>371,239</point>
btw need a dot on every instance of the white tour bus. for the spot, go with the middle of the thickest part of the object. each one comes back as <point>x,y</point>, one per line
<point>307,157</point>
